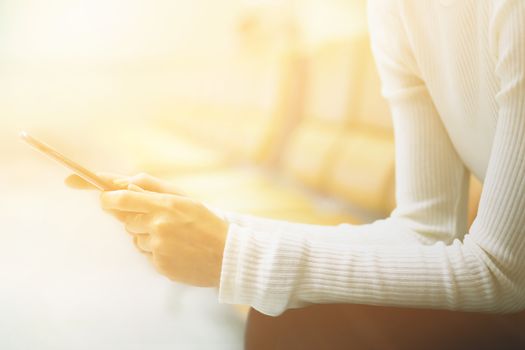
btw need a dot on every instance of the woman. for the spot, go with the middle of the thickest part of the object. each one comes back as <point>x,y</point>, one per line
<point>454,75</point>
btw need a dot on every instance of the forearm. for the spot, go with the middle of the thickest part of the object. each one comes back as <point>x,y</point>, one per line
<point>374,233</point>
<point>273,271</point>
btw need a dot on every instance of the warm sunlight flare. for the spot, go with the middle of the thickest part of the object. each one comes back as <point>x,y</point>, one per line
<point>192,174</point>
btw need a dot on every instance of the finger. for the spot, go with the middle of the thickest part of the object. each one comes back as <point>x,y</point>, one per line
<point>132,201</point>
<point>142,242</point>
<point>146,182</point>
<point>151,183</point>
<point>142,180</point>
<point>111,177</point>
<point>133,187</point>
<point>138,223</point>
<point>76,182</point>
<point>121,216</point>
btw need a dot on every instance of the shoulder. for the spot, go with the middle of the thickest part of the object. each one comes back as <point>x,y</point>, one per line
<point>383,17</point>
<point>507,25</point>
<point>386,28</point>
<point>378,9</point>
<point>505,13</point>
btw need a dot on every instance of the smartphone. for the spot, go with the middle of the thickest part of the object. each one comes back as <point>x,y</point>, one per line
<point>84,173</point>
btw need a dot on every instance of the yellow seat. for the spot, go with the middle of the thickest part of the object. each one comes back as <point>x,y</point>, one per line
<point>363,171</point>
<point>229,126</point>
<point>308,152</point>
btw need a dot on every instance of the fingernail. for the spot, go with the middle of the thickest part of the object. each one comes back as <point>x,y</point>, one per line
<point>121,182</point>
<point>133,187</point>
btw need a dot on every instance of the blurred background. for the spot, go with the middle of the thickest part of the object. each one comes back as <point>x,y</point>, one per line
<point>267,107</point>
<point>210,94</point>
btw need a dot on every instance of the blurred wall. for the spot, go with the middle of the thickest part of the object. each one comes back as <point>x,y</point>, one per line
<point>77,65</point>
<point>71,60</point>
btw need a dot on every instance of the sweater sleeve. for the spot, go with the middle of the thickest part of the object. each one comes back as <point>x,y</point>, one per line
<point>273,267</point>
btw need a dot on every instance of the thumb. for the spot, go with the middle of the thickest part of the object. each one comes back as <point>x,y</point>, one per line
<point>135,188</point>
<point>76,182</point>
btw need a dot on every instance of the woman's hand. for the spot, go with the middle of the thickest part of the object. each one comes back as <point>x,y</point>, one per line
<point>183,238</point>
<point>143,180</point>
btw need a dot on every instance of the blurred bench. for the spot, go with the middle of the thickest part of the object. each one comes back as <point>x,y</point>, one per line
<point>322,158</point>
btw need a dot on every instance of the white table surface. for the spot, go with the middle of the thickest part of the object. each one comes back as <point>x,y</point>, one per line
<point>70,277</point>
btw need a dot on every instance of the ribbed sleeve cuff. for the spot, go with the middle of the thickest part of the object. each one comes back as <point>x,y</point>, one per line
<point>257,271</point>
<point>230,265</point>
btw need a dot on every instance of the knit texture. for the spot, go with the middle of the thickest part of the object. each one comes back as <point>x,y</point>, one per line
<point>454,75</point>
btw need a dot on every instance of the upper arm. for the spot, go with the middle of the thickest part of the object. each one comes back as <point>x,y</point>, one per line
<point>499,228</point>
<point>431,180</point>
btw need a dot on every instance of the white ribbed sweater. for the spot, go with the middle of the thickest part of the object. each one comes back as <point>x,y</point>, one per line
<point>454,75</point>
